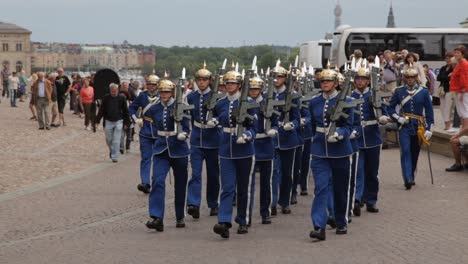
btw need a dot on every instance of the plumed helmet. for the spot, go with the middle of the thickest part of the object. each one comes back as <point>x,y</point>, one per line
<point>203,73</point>
<point>280,71</point>
<point>340,77</point>
<point>232,77</point>
<point>362,72</point>
<point>221,80</point>
<point>410,72</point>
<point>328,74</point>
<point>153,79</point>
<point>256,82</point>
<point>166,86</point>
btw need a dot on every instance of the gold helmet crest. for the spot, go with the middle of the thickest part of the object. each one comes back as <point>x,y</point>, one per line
<point>328,75</point>
<point>256,83</point>
<point>166,86</point>
<point>410,72</point>
<point>363,72</point>
<point>203,73</point>
<point>280,71</point>
<point>153,79</point>
<point>232,77</point>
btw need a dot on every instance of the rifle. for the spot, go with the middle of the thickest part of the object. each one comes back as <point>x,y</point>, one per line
<point>336,112</point>
<point>377,95</point>
<point>180,108</point>
<point>215,96</point>
<point>290,96</point>
<point>306,88</point>
<point>269,108</point>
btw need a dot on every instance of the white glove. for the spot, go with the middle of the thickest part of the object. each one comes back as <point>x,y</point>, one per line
<point>303,121</point>
<point>139,122</point>
<point>212,123</point>
<point>353,134</point>
<point>242,139</point>
<point>428,134</point>
<point>272,132</point>
<point>289,126</point>
<point>383,120</point>
<point>334,138</point>
<point>403,120</point>
<point>182,136</point>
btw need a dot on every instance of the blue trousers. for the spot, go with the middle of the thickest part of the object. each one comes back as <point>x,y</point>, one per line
<point>113,131</point>
<point>367,185</point>
<point>409,154</point>
<point>355,183</point>
<point>305,167</point>
<point>284,179</point>
<point>297,169</point>
<point>146,150</point>
<point>338,170</point>
<point>235,173</point>
<point>275,180</point>
<point>197,155</point>
<point>161,165</point>
<point>266,172</point>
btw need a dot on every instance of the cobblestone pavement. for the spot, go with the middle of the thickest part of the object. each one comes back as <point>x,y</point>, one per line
<point>91,212</point>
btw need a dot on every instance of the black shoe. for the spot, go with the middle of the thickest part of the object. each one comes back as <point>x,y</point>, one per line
<point>465,166</point>
<point>48,128</point>
<point>180,223</point>
<point>350,220</point>
<point>408,185</point>
<point>285,210</point>
<point>304,193</point>
<point>385,146</point>
<point>372,208</point>
<point>331,222</point>
<point>236,220</point>
<point>318,234</point>
<point>357,209</point>
<point>41,128</point>
<point>266,220</point>
<point>214,211</point>
<point>294,199</point>
<point>412,183</point>
<point>455,167</point>
<point>273,210</point>
<point>157,224</point>
<point>122,151</point>
<point>114,160</point>
<point>222,230</point>
<point>234,202</point>
<point>243,229</point>
<point>144,187</point>
<point>194,211</point>
<point>342,230</point>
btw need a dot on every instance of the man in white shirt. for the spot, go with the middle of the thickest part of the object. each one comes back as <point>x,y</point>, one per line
<point>13,83</point>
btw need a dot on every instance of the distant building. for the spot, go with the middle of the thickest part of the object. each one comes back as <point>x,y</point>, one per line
<point>391,17</point>
<point>464,24</point>
<point>338,13</point>
<point>15,49</point>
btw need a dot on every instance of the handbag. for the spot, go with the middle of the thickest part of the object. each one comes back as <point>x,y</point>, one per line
<point>440,91</point>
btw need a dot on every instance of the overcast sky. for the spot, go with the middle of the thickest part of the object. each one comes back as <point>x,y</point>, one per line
<point>215,22</point>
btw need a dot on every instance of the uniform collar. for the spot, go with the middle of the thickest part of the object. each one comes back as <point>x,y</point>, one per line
<point>280,90</point>
<point>258,99</point>
<point>331,96</point>
<point>233,97</point>
<point>207,90</point>
<point>411,90</point>
<point>171,101</point>
<point>364,92</point>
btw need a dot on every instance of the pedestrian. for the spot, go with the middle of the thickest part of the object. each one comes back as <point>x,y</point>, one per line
<point>411,61</point>
<point>13,84</point>
<point>114,111</point>
<point>63,86</point>
<point>459,86</point>
<point>125,139</point>
<point>22,86</point>
<point>411,107</point>
<point>5,74</point>
<point>32,102</point>
<point>204,143</point>
<point>87,99</point>
<point>390,72</point>
<point>41,91</point>
<point>147,135</point>
<point>170,150</point>
<point>54,105</point>
<point>443,91</point>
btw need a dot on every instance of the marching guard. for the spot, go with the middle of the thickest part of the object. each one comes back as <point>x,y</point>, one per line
<point>170,150</point>
<point>204,143</point>
<point>331,157</point>
<point>147,134</point>
<point>236,156</point>
<point>415,118</point>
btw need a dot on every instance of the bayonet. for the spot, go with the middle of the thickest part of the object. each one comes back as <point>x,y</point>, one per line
<point>180,109</point>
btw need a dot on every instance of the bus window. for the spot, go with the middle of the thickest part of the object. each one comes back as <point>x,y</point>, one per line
<point>428,46</point>
<point>370,43</point>
<point>454,40</point>
<point>325,55</point>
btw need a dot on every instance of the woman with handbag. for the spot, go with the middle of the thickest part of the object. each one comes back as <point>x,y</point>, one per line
<point>444,89</point>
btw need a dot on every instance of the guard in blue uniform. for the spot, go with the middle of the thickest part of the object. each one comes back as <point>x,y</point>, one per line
<point>170,150</point>
<point>264,152</point>
<point>147,135</point>
<point>286,143</point>
<point>204,143</point>
<point>331,158</point>
<point>415,118</point>
<point>236,158</point>
<point>369,141</point>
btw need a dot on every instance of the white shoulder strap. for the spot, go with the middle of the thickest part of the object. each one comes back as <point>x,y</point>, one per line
<point>407,98</point>
<point>148,106</point>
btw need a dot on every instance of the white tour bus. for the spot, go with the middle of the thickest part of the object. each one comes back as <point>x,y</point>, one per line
<point>315,53</point>
<point>430,43</point>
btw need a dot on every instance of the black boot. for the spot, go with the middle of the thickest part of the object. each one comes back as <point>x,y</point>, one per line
<point>266,220</point>
<point>294,198</point>
<point>273,210</point>
<point>213,211</point>
<point>180,223</point>
<point>285,210</point>
<point>156,223</point>
<point>372,208</point>
<point>304,193</point>
<point>318,234</point>
<point>222,230</point>
<point>455,167</point>
<point>331,222</point>
<point>408,185</point>
<point>144,187</point>
<point>194,211</point>
<point>243,229</point>
<point>357,209</point>
<point>342,230</point>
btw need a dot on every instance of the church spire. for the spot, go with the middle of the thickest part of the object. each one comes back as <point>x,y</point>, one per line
<point>338,13</point>
<point>391,17</point>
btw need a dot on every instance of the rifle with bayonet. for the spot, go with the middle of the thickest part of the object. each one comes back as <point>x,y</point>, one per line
<point>306,88</point>
<point>269,108</point>
<point>377,95</point>
<point>337,112</point>
<point>180,108</point>
<point>290,96</point>
<point>215,96</point>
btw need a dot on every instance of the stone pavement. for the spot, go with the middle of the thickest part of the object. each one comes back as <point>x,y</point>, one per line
<point>92,213</point>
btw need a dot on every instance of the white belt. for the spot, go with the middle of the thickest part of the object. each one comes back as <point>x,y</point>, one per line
<point>166,133</point>
<point>231,130</point>
<point>200,125</point>
<point>322,129</point>
<point>261,135</point>
<point>368,123</point>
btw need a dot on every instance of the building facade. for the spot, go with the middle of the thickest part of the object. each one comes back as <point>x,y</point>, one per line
<point>15,47</point>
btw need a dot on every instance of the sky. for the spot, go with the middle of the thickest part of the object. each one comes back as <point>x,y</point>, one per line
<point>215,23</point>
